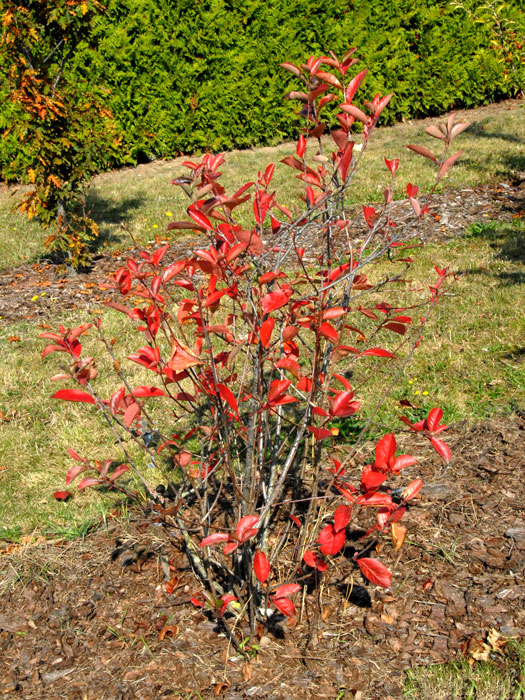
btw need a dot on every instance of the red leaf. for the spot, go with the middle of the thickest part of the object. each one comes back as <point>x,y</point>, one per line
<point>261,566</point>
<point>328,331</point>
<point>274,300</point>
<point>329,78</point>
<point>144,392</point>
<point>375,571</point>
<point>304,384</point>
<point>331,541</point>
<point>334,312</point>
<point>355,112</point>
<point>245,527</point>
<point>448,164</point>
<point>354,84</point>
<point>183,225</point>
<point>301,146</point>
<point>73,454</point>
<point>346,160</point>
<point>74,395</point>
<point>441,448</point>
<point>403,461</point>
<point>315,561</point>
<point>396,327</point>
<point>131,412</point>
<point>228,396</point>
<point>371,479</point>
<point>267,277</point>
<point>412,190</point>
<point>235,251</point>
<point>296,164</point>
<point>214,539</point>
<point>319,433</point>
<point>434,131</point>
<point>295,520</point>
<point>377,352</point>
<point>119,307</point>
<point>423,152</point>
<point>268,173</point>
<point>344,381</point>
<point>74,472</point>
<point>277,389</point>
<point>62,495</point>
<point>291,365</point>
<point>285,605</point>
<point>385,450</point>
<point>200,218</point>
<point>375,499</point>
<point>412,489</point>
<point>89,481</point>
<point>230,547</point>
<point>458,128</point>
<point>116,398</point>
<point>292,68</point>
<point>265,332</point>
<point>434,419</point>
<point>286,589</point>
<point>342,517</point>
<point>53,348</point>
<point>370,216</point>
<point>392,165</point>
<point>121,469</point>
<point>415,205</point>
<point>343,404</point>
<point>226,599</point>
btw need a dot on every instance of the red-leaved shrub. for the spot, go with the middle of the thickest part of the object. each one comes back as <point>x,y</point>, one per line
<point>258,355</point>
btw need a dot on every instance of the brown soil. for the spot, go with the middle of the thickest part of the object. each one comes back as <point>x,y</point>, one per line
<point>41,290</point>
<point>75,623</point>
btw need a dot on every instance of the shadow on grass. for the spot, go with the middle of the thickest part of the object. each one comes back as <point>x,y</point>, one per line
<point>105,211</point>
<point>479,130</point>
<point>507,239</point>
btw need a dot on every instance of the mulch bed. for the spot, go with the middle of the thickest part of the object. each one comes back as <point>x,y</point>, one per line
<point>77,623</point>
<point>42,290</point>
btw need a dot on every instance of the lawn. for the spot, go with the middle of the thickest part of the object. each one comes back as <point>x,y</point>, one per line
<point>142,200</point>
<point>471,361</point>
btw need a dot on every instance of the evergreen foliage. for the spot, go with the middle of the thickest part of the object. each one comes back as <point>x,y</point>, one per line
<point>190,75</point>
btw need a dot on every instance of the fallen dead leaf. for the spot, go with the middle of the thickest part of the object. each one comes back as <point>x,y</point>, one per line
<point>496,641</point>
<point>220,688</point>
<point>327,612</point>
<point>398,535</point>
<point>168,629</point>
<point>478,650</point>
<point>247,672</point>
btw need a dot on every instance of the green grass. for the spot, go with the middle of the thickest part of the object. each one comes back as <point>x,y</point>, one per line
<point>501,679</point>
<point>143,201</point>
<point>470,362</point>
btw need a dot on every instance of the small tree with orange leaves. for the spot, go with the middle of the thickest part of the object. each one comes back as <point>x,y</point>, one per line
<point>65,134</point>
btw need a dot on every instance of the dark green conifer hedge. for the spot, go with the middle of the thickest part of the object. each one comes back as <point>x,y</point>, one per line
<point>188,75</point>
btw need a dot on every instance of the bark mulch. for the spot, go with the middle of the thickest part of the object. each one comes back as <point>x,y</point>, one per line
<point>40,290</point>
<point>77,622</point>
